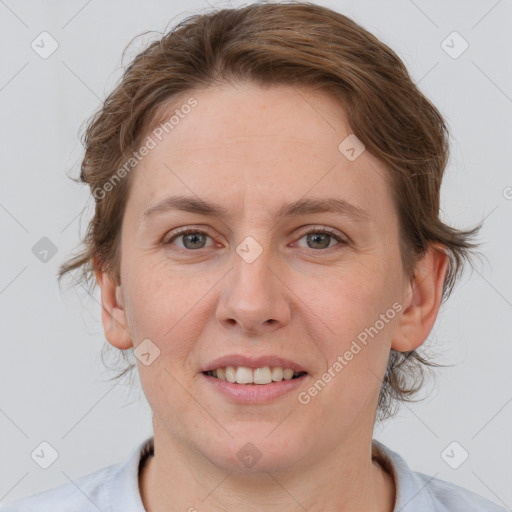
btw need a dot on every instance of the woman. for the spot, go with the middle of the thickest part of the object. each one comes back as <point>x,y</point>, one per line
<point>267,239</point>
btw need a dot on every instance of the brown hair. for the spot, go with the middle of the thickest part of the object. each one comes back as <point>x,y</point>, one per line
<point>294,43</point>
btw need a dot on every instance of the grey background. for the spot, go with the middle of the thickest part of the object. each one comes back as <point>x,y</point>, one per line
<point>53,386</point>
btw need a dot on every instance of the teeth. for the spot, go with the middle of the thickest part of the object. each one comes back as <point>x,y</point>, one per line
<point>262,375</point>
<point>287,374</point>
<point>230,374</point>
<point>277,374</point>
<point>244,375</point>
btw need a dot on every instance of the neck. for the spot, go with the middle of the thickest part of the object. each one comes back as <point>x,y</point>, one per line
<point>177,478</point>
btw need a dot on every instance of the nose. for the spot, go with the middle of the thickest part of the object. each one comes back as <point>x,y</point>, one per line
<point>254,297</point>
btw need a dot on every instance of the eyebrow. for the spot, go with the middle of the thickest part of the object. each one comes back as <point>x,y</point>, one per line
<point>296,208</point>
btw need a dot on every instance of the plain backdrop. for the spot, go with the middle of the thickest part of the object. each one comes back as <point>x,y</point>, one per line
<point>53,386</point>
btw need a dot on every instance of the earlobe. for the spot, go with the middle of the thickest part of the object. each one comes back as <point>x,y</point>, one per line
<point>421,301</point>
<point>113,314</point>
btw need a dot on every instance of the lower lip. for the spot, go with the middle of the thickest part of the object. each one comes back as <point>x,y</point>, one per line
<point>254,393</point>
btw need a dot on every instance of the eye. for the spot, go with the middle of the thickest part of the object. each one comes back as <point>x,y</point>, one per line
<point>192,239</point>
<point>321,238</point>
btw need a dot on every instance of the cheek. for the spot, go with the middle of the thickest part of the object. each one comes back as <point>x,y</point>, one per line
<point>361,319</point>
<point>352,298</point>
<point>359,313</point>
<point>152,300</point>
<point>165,304</point>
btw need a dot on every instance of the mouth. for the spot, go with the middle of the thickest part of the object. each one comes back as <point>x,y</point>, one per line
<point>262,376</point>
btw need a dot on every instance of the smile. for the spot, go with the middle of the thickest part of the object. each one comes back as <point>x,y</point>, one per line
<point>244,375</point>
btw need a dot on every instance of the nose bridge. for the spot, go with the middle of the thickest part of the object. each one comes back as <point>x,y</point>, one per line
<point>253,296</point>
<point>251,266</point>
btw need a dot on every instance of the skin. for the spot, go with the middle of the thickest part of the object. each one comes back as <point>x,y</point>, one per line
<point>252,149</point>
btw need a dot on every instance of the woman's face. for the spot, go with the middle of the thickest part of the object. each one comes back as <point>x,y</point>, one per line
<point>259,280</point>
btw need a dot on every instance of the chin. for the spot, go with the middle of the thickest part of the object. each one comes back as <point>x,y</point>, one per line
<point>254,450</point>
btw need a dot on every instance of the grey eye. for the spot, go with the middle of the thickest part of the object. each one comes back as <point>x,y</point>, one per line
<point>194,240</point>
<point>191,239</point>
<point>319,240</point>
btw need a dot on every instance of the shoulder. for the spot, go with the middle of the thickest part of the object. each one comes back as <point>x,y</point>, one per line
<point>111,488</point>
<point>85,494</point>
<point>451,497</point>
<point>417,492</point>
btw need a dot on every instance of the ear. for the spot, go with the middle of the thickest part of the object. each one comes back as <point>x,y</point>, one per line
<point>113,314</point>
<point>421,301</point>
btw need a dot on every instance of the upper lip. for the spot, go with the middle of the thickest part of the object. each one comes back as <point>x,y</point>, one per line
<point>251,362</point>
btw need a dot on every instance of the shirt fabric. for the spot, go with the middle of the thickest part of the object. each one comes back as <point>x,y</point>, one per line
<point>116,489</point>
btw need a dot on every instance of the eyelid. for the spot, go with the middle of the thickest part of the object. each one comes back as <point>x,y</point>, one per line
<point>340,237</point>
<point>322,229</point>
<point>167,240</point>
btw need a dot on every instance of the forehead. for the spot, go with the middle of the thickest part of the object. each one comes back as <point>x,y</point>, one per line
<point>242,115</point>
<point>246,144</point>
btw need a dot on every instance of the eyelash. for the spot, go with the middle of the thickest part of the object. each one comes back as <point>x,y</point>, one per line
<point>316,230</point>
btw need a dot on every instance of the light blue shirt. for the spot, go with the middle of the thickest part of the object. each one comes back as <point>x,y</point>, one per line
<point>116,489</point>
